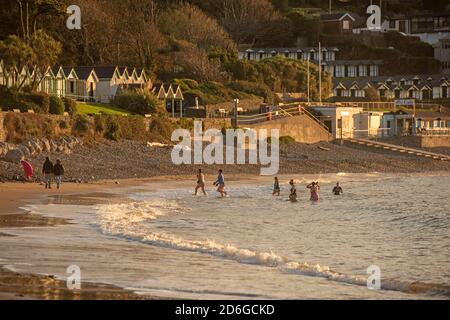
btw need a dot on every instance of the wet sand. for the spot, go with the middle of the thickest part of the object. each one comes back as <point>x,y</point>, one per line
<point>13,196</point>
<point>14,285</point>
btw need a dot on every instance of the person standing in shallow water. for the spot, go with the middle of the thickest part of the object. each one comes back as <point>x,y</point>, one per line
<point>276,188</point>
<point>338,190</point>
<point>314,188</point>
<point>293,194</point>
<point>47,171</point>
<point>220,183</point>
<point>200,182</point>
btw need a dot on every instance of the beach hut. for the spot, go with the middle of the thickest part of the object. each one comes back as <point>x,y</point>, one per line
<point>109,81</point>
<point>87,84</point>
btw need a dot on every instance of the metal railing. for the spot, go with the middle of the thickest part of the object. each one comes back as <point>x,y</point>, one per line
<point>280,113</point>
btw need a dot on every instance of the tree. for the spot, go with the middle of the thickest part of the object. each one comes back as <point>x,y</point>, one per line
<point>193,62</point>
<point>187,22</point>
<point>16,54</point>
<point>46,52</point>
<point>31,10</point>
<point>254,22</point>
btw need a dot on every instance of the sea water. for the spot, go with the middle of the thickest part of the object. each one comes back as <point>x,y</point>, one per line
<point>253,245</point>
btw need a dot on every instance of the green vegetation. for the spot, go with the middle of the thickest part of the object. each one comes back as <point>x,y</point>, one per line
<point>98,108</point>
<point>56,105</point>
<point>19,127</point>
<point>139,102</point>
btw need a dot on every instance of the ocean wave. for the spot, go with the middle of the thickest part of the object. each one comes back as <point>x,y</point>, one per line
<point>125,221</point>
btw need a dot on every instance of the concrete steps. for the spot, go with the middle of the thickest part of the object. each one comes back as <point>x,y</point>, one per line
<point>400,149</point>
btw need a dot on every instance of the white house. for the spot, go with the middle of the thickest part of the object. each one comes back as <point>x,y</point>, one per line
<point>341,121</point>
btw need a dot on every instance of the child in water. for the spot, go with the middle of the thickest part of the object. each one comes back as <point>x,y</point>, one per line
<point>293,195</point>
<point>276,188</point>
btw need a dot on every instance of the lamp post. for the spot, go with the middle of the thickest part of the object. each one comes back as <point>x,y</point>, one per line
<point>235,116</point>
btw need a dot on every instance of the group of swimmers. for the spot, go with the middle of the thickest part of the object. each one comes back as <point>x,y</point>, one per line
<point>314,187</point>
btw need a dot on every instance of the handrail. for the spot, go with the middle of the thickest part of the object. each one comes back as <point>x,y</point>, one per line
<point>309,114</point>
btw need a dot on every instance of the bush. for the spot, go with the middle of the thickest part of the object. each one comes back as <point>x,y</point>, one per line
<point>80,126</point>
<point>140,102</point>
<point>113,131</point>
<point>254,88</point>
<point>70,106</point>
<point>19,127</point>
<point>56,105</point>
<point>39,99</point>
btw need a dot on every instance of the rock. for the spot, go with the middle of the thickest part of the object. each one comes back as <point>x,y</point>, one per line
<point>14,156</point>
<point>25,150</point>
<point>53,146</point>
<point>3,149</point>
<point>46,147</point>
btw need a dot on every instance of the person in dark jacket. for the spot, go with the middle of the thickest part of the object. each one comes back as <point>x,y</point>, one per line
<point>47,171</point>
<point>58,171</point>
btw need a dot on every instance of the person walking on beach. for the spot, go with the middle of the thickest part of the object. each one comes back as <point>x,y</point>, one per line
<point>47,171</point>
<point>27,170</point>
<point>276,188</point>
<point>293,194</point>
<point>338,190</point>
<point>58,171</point>
<point>314,187</point>
<point>220,183</point>
<point>200,182</point>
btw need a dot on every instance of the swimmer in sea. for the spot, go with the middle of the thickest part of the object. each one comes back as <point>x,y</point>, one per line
<point>293,195</point>
<point>276,188</point>
<point>200,182</point>
<point>338,190</point>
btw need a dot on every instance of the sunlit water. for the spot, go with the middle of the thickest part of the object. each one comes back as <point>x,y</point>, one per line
<point>252,245</point>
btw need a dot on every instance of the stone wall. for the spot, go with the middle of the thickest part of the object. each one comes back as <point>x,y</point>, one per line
<point>434,141</point>
<point>302,128</point>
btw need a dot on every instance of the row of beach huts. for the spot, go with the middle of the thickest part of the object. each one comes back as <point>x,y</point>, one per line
<point>91,83</point>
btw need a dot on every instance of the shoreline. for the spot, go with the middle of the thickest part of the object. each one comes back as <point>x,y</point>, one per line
<point>13,196</point>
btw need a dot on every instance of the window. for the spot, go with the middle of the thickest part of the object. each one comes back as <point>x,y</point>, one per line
<point>392,24</point>
<point>352,71</point>
<point>340,71</point>
<point>374,71</point>
<point>362,71</point>
<point>346,25</point>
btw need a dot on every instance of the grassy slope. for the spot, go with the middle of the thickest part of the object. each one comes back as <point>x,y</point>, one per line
<point>97,108</point>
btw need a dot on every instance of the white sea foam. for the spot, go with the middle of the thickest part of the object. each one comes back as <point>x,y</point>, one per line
<point>127,221</point>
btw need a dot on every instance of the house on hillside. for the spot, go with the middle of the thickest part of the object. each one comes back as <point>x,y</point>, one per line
<point>87,84</point>
<point>337,23</point>
<point>353,68</point>
<point>306,53</point>
<point>418,87</point>
<point>442,54</point>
